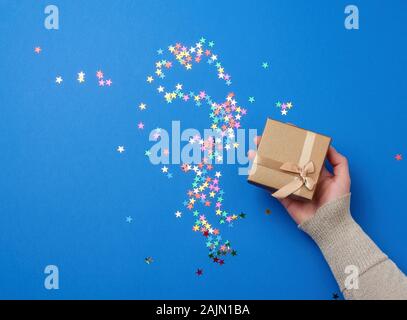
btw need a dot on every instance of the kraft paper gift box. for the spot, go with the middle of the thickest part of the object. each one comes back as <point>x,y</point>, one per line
<point>289,160</point>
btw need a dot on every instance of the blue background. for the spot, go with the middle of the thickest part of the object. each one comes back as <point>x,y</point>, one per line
<point>65,191</point>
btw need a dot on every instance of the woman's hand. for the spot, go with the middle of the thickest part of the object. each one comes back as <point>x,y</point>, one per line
<point>330,187</point>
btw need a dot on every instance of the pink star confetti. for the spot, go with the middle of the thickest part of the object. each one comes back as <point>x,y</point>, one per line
<point>102,82</point>
<point>99,74</point>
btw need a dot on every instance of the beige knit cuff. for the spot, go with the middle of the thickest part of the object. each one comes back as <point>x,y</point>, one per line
<point>341,240</point>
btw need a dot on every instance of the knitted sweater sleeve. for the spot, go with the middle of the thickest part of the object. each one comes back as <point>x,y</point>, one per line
<point>361,269</point>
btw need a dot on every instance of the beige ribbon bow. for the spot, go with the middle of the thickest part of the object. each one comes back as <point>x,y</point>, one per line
<point>299,181</point>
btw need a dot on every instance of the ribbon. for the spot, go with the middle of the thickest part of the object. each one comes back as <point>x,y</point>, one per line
<point>301,180</point>
<point>302,168</point>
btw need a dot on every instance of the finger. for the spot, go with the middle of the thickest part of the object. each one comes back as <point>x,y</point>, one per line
<point>338,162</point>
<point>257,140</point>
<point>251,154</point>
<point>285,202</point>
<point>325,172</point>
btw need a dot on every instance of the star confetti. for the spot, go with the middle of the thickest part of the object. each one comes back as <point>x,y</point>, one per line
<point>59,80</point>
<point>187,56</point>
<point>120,149</point>
<point>398,157</point>
<point>199,272</point>
<point>129,219</point>
<point>149,260</point>
<point>102,81</point>
<point>205,196</point>
<point>37,50</point>
<point>206,193</point>
<point>81,77</point>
